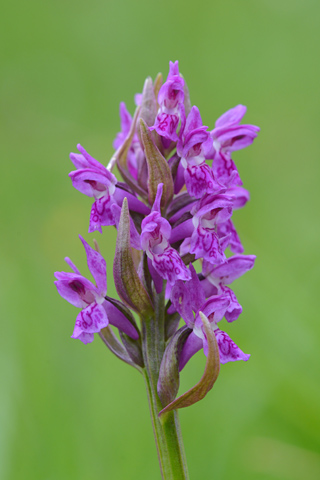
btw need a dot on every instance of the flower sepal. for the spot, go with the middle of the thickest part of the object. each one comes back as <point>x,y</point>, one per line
<point>169,378</point>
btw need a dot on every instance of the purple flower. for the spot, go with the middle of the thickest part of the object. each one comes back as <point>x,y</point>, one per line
<point>96,312</point>
<point>208,214</point>
<point>170,99</point>
<point>228,136</point>
<point>218,276</point>
<point>187,174</point>
<point>155,235</point>
<point>189,299</point>
<point>194,145</point>
<point>94,180</point>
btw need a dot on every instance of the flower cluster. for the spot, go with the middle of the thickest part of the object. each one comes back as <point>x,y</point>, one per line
<point>173,212</point>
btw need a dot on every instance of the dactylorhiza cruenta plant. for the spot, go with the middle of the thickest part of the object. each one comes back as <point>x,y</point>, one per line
<point>177,249</point>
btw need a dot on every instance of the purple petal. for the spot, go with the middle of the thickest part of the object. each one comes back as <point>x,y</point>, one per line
<point>90,320</point>
<point>156,205</point>
<point>205,244</point>
<point>138,99</point>
<point>72,265</point>
<point>155,233</point>
<point>229,351</point>
<point>185,229</point>
<point>84,160</point>
<point>121,322</point>
<point>188,297</point>
<point>195,291</point>
<point>199,180</point>
<point>101,214</point>
<point>227,229</point>
<point>235,137</point>
<point>166,125</point>
<point>170,266</point>
<point>197,144</point>
<point>171,94</point>
<point>193,120</point>
<point>214,308</point>
<point>173,68</point>
<point>179,180</point>
<point>97,267</point>
<point>240,196</point>
<point>233,268</point>
<point>234,309</point>
<point>74,288</point>
<point>125,120</point>
<point>185,246</point>
<point>192,345</point>
<point>232,116</point>
<point>134,203</point>
<point>208,288</point>
<point>225,170</point>
<point>84,337</point>
<point>219,208</point>
<point>92,183</point>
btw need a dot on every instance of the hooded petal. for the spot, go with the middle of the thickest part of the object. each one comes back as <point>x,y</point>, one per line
<point>93,183</point>
<point>235,137</point>
<point>214,308</point>
<point>75,288</point>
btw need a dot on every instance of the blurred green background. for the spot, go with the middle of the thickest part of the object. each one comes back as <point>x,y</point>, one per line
<point>69,411</point>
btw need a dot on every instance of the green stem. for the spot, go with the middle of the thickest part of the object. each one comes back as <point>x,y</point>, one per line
<point>166,430</point>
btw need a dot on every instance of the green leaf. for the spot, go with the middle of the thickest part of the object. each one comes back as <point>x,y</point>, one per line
<point>169,380</point>
<point>211,372</point>
<point>112,342</point>
<point>126,278</point>
<point>148,107</point>
<point>121,154</point>
<point>157,85</point>
<point>158,168</point>
<point>133,348</point>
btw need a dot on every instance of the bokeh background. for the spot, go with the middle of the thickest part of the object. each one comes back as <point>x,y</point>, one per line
<point>69,411</point>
